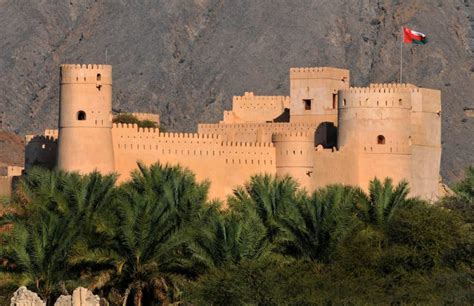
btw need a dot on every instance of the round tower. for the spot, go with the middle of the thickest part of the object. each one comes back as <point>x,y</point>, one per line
<point>295,156</point>
<point>374,123</point>
<point>85,119</point>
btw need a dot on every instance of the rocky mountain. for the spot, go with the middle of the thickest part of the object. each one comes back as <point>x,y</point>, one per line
<point>185,59</point>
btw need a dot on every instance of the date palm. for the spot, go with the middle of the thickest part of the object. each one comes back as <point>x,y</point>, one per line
<point>145,247</point>
<point>52,211</point>
<point>318,223</point>
<point>269,197</point>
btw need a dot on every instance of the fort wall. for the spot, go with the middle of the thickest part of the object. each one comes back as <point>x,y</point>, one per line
<point>254,132</point>
<point>257,109</point>
<point>426,142</point>
<point>343,169</point>
<point>226,163</point>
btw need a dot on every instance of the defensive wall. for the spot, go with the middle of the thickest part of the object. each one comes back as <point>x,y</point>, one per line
<point>251,108</point>
<point>253,132</point>
<point>226,164</point>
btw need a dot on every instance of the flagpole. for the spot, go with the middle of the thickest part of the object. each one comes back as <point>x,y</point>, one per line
<point>401,57</point>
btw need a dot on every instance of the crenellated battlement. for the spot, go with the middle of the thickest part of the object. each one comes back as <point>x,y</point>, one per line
<point>86,74</point>
<point>238,126</point>
<point>293,137</point>
<point>382,88</point>
<point>248,95</point>
<point>243,144</point>
<point>391,85</point>
<point>85,66</point>
<point>377,97</point>
<point>320,73</point>
<point>41,138</point>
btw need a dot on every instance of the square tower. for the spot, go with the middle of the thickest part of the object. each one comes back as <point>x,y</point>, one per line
<point>314,93</point>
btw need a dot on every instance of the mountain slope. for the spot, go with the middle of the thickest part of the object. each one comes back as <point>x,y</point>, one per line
<point>185,59</point>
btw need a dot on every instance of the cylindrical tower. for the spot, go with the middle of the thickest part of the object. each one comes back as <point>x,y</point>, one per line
<point>295,156</point>
<point>85,119</point>
<point>374,122</point>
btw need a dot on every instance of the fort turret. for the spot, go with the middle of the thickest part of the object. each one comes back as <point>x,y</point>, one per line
<point>374,122</point>
<point>85,119</point>
<point>294,152</point>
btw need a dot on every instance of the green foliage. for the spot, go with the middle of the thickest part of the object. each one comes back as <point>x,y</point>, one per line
<point>131,119</point>
<point>156,240</point>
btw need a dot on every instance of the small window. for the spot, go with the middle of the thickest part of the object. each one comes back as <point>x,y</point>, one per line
<point>334,101</point>
<point>344,102</point>
<point>307,104</point>
<point>98,76</point>
<point>81,115</point>
<point>380,139</point>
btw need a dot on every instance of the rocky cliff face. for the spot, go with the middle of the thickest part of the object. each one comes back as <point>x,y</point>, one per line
<point>185,59</point>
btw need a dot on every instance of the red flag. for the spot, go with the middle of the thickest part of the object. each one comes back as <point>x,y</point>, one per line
<point>413,37</point>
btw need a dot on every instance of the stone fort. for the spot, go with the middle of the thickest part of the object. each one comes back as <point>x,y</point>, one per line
<point>324,132</point>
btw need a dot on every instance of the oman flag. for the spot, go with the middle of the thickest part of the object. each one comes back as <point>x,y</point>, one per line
<point>413,37</point>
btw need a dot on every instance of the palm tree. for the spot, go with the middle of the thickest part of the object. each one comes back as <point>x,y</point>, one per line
<point>53,211</point>
<point>269,197</point>
<point>378,206</point>
<point>318,223</point>
<point>146,245</point>
<point>228,239</point>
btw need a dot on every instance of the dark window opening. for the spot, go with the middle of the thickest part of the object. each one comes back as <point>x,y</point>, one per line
<point>380,139</point>
<point>98,76</point>
<point>81,115</point>
<point>334,101</point>
<point>344,102</point>
<point>307,104</point>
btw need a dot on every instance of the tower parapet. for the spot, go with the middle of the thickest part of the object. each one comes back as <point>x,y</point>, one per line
<point>77,73</point>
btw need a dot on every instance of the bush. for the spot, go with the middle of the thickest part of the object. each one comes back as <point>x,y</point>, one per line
<point>131,119</point>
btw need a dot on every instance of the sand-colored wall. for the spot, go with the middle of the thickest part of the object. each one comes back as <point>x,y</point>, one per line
<point>334,167</point>
<point>226,164</point>
<point>254,132</point>
<point>86,145</point>
<point>321,86</point>
<point>426,142</point>
<point>257,109</point>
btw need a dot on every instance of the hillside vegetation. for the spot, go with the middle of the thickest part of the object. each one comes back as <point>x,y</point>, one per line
<point>157,240</point>
<point>186,59</point>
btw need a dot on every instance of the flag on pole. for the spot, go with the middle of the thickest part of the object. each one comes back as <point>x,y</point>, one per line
<point>413,37</point>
